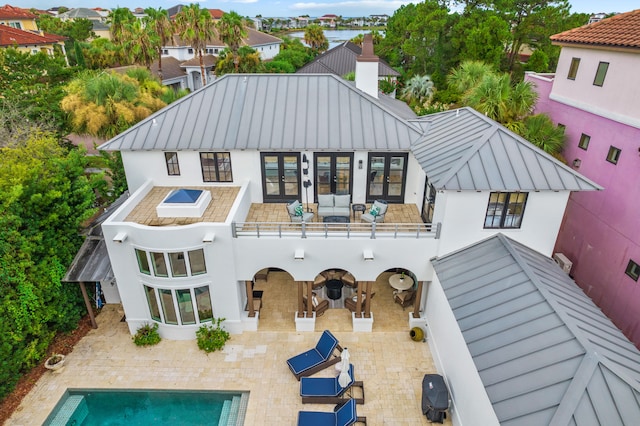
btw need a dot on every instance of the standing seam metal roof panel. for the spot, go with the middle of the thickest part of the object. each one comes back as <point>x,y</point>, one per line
<point>464,150</point>
<point>264,111</point>
<point>541,354</point>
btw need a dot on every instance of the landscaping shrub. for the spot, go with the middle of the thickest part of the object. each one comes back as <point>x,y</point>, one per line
<point>212,337</point>
<point>147,335</point>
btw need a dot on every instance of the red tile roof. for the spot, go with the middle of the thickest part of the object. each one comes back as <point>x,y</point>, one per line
<point>12,36</point>
<point>11,12</point>
<point>622,30</point>
<point>216,13</point>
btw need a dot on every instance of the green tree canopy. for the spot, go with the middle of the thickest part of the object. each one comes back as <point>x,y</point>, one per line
<point>315,38</point>
<point>105,103</point>
<point>44,197</point>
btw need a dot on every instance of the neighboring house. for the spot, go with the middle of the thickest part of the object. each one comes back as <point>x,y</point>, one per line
<point>329,20</point>
<point>18,18</point>
<point>81,13</point>
<point>267,45</point>
<point>100,26</point>
<point>341,60</point>
<point>594,95</point>
<point>30,42</point>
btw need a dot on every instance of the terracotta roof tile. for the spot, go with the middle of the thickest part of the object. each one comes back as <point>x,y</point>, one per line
<point>622,30</point>
<point>11,12</point>
<point>11,36</point>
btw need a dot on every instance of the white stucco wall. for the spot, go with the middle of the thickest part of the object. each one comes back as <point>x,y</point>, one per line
<point>463,213</point>
<point>617,99</point>
<point>470,403</point>
<point>143,165</point>
<point>267,51</point>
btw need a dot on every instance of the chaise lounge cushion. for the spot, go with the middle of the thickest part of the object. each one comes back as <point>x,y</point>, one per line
<point>315,359</point>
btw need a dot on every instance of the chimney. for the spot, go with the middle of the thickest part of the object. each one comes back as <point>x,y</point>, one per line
<point>367,68</point>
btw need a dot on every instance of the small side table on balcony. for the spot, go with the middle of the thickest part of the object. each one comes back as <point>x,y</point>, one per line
<point>358,208</point>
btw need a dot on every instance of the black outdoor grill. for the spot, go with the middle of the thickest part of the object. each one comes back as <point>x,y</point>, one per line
<point>435,398</point>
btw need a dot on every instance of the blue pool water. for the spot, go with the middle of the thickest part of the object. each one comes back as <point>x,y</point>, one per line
<point>92,407</point>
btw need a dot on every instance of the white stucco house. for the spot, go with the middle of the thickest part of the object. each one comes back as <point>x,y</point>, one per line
<point>187,245</point>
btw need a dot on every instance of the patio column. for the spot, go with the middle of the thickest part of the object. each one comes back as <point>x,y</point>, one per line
<point>252,313</point>
<point>367,301</point>
<point>87,303</point>
<point>309,299</point>
<point>300,294</point>
<point>416,302</point>
<point>358,313</point>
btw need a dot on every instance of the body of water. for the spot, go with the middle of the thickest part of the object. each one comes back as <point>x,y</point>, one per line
<point>335,37</point>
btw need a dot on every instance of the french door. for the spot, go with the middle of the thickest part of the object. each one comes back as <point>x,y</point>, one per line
<point>333,172</point>
<point>280,177</point>
<point>387,173</point>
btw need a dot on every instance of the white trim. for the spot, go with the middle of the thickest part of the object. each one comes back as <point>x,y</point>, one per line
<point>624,119</point>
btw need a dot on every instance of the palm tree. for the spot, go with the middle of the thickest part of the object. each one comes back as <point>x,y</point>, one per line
<point>142,45</point>
<point>195,26</point>
<point>315,38</point>
<point>540,131</point>
<point>158,21</point>
<point>106,104</point>
<point>501,101</point>
<point>120,19</point>
<point>468,75</point>
<point>231,31</point>
<point>419,89</point>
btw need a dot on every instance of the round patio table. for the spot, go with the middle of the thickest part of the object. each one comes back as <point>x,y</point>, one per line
<point>334,289</point>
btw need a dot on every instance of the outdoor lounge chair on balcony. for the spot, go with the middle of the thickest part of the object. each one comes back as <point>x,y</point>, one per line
<point>316,359</point>
<point>376,213</point>
<point>297,213</point>
<point>344,416</point>
<point>327,390</point>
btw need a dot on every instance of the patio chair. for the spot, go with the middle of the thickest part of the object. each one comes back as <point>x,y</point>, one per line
<point>404,298</point>
<point>297,213</point>
<point>319,308</point>
<point>344,415</point>
<point>316,359</point>
<point>351,304</point>
<point>376,213</point>
<point>327,390</point>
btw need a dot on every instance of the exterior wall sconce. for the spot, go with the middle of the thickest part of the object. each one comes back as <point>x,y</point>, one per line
<point>367,255</point>
<point>120,237</point>
<point>577,162</point>
<point>299,254</point>
<point>360,164</point>
<point>209,237</point>
<point>305,164</point>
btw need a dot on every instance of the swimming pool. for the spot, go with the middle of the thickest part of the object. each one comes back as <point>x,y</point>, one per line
<point>92,407</point>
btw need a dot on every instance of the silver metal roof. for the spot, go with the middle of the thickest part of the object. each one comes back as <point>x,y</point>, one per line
<point>545,352</point>
<point>271,112</point>
<point>464,150</point>
<point>341,60</point>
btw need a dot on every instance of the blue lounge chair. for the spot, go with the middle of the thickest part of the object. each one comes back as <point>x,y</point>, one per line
<point>344,416</point>
<point>316,359</point>
<point>327,390</point>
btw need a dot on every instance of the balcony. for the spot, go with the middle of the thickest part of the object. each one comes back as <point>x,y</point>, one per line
<point>272,221</point>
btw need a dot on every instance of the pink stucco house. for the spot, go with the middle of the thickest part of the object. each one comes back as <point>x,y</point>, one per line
<point>595,94</point>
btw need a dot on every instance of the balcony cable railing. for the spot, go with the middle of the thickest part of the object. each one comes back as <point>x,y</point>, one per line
<point>334,230</point>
